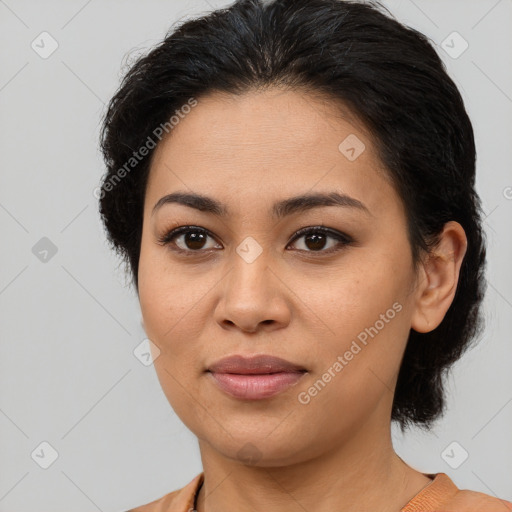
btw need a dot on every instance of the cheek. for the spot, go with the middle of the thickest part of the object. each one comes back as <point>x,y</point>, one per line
<point>353,294</point>
<point>362,313</point>
<point>166,294</point>
<point>168,315</point>
<point>167,311</point>
<point>174,307</point>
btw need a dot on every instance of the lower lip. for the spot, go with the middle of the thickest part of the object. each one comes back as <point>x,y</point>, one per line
<point>255,387</point>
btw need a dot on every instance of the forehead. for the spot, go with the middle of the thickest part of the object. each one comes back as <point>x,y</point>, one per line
<point>268,124</point>
<point>270,142</point>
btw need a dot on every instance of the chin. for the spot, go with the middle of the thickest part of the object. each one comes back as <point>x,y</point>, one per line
<point>261,450</point>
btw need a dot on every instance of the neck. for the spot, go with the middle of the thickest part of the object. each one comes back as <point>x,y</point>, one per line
<point>363,473</point>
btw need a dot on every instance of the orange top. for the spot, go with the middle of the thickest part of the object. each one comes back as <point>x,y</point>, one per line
<point>441,495</point>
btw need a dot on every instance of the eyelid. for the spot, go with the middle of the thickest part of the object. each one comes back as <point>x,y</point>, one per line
<point>342,238</point>
<point>172,233</point>
<point>322,229</point>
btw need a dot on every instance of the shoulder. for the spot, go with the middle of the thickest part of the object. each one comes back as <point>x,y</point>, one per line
<point>453,499</point>
<point>472,501</point>
<point>442,495</point>
<point>181,500</point>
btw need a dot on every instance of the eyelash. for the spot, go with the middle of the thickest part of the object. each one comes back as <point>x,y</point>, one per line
<point>344,240</point>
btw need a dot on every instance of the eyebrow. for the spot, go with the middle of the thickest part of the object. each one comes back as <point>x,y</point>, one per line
<point>280,209</point>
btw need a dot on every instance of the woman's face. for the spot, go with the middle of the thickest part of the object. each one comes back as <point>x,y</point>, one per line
<point>340,308</point>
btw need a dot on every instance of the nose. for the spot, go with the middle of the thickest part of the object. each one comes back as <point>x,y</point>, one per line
<point>253,298</point>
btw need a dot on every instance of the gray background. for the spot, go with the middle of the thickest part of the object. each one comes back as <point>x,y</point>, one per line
<point>69,323</point>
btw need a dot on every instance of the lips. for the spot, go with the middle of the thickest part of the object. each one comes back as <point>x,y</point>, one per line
<point>254,378</point>
<point>255,365</point>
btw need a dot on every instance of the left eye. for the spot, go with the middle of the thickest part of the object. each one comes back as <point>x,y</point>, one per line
<point>192,239</point>
<point>315,239</point>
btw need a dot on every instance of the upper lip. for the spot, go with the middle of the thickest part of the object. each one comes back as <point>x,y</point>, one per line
<point>258,364</point>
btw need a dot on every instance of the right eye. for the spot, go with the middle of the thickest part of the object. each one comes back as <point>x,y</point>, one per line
<point>189,239</point>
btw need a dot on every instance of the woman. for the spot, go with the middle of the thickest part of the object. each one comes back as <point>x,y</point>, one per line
<point>292,186</point>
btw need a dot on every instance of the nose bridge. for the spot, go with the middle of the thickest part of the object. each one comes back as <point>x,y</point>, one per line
<point>251,293</point>
<point>250,276</point>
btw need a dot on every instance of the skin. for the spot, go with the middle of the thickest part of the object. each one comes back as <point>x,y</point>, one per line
<point>292,301</point>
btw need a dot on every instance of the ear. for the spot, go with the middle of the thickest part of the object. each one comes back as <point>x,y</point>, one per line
<point>438,278</point>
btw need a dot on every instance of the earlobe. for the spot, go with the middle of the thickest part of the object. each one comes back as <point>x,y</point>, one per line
<point>440,276</point>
